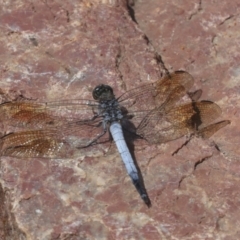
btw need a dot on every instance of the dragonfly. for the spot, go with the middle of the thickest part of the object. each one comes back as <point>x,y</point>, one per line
<point>152,112</point>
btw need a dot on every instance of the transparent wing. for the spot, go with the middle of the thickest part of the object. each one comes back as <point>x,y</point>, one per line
<point>65,142</point>
<point>149,96</point>
<point>55,129</point>
<point>165,124</point>
<point>66,128</point>
<point>40,115</point>
<point>139,101</point>
<point>158,117</point>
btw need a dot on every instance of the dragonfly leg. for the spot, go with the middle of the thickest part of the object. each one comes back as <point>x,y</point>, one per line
<point>94,141</point>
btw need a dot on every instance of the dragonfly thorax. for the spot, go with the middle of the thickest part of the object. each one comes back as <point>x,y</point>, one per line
<point>110,110</point>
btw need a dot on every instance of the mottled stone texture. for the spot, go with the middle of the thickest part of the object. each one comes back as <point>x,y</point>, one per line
<point>61,49</point>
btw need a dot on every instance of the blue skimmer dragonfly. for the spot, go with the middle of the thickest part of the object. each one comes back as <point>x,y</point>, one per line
<point>150,112</point>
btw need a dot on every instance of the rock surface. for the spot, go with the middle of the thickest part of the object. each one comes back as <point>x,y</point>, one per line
<point>53,50</point>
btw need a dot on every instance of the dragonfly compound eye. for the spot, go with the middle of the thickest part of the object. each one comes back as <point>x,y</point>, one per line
<point>103,92</point>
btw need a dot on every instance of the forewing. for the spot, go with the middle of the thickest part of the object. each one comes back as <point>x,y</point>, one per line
<point>42,115</point>
<point>144,120</point>
<point>150,96</point>
<point>65,142</point>
<point>163,125</point>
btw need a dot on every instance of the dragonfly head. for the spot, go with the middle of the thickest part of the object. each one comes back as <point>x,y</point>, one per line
<point>103,92</point>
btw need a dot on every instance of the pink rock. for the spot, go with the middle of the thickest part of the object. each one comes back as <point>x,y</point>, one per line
<point>61,50</point>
